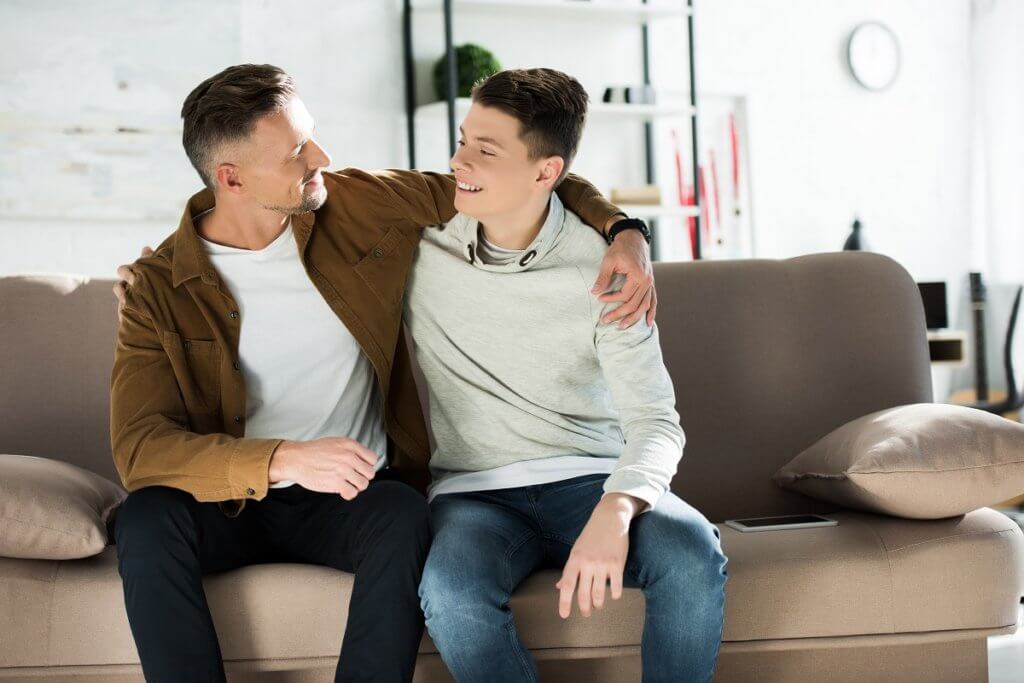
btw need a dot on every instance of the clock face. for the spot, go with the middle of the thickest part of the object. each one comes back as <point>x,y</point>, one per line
<point>873,54</point>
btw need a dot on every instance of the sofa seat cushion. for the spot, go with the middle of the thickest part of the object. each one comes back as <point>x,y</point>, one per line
<point>874,574</point>
<point>871,574</point>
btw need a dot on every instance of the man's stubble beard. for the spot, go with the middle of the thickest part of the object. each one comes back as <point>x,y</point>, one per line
<point>309,202</point>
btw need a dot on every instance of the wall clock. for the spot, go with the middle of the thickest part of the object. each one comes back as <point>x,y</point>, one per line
<point>873,55</point>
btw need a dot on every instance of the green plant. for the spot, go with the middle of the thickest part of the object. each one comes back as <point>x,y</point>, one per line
<point>472,63</point>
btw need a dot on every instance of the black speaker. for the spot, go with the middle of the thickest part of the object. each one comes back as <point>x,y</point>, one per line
<point>933,295</point>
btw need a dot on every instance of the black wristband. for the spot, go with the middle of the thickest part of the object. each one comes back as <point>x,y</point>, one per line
<point>629,224</point>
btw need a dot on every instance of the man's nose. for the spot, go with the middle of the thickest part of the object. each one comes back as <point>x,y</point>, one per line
<point>324,159</point>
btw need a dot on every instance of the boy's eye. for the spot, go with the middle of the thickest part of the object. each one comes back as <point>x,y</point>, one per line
<point>486,153</point>
<point>462,143</point>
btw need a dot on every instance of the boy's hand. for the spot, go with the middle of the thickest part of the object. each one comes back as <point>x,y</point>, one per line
<point>127,279</point>
<point>630,255</point>
<point>598,556</point>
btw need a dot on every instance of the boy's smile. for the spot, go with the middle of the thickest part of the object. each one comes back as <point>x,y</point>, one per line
<point>497,182</point>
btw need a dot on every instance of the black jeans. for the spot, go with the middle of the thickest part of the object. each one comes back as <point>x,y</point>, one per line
<point>166,541</point>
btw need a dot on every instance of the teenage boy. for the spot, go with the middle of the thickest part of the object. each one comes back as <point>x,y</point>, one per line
<point>556,435</point>
<point>262,401</point>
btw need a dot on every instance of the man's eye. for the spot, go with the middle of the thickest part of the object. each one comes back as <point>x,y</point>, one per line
<point>486,153</point>
<point>462,143</point>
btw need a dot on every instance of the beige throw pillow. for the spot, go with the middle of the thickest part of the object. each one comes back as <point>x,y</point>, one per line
<point>52,510</point>
<point>922,461</point>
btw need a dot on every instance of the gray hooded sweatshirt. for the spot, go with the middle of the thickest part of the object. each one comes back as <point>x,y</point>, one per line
<point>525,384</point>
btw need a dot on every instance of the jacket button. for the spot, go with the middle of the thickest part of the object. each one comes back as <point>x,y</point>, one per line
<point>238,418</point>
<point>251,492</point>
<point>236,365</point>
<point>233,314</point>
<point>378,252</point>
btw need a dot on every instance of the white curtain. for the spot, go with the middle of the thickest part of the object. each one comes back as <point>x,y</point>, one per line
<point>997,182</point>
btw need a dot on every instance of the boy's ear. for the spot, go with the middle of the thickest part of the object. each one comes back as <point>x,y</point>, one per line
<point>550,170</point>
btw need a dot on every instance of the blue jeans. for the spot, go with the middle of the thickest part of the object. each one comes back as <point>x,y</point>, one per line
<point>487,542</point>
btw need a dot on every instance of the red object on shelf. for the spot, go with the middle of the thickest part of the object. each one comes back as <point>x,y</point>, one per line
<point>734,140</point>
<point>705,223</point>
<point>691,222</point>
<point>714,190</point>
<point>686,195</point>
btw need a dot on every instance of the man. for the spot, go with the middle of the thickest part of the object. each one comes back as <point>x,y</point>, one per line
<point>556,437</point>
<point>263,407</point>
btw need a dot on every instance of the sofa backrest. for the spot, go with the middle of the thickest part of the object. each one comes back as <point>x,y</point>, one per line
<point>767,356</point>
<point>57,338</point>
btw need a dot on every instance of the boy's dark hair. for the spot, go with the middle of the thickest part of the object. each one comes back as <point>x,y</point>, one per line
<point>225,108</point>
<point>551,108</point>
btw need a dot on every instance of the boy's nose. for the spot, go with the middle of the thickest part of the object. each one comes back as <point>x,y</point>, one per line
<point>457,162</point>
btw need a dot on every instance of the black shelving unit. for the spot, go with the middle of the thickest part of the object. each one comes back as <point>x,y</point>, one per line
<point>451,92</point>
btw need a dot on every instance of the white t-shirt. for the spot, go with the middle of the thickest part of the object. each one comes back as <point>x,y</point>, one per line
<point>306,376</point>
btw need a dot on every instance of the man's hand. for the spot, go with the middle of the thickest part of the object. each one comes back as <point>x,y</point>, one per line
<point>329,465</point>
<point>127,280</point>
<point>630,255</point>
<point>599,555</point>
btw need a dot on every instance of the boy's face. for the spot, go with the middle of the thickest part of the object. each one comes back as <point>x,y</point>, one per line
<point>280,164</point>
<point>492,157</point>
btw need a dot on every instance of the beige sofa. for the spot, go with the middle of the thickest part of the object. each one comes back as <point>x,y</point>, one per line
<point>767,356</point>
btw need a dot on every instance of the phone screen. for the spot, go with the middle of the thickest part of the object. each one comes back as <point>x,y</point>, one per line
<point>791,519</point>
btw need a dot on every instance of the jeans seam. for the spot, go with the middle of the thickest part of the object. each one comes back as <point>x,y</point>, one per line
<point>559,538</point>
<point>561,487</point>
<point>538,518</point>
<point>510,625</point>
<point>524,662</point>
<point>633,572</point>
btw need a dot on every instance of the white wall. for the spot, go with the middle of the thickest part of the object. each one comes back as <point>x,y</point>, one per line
<point>76,195</point>
<point>824,149</point>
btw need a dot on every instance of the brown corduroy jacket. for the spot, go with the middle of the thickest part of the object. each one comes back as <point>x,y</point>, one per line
<point>178,398</point>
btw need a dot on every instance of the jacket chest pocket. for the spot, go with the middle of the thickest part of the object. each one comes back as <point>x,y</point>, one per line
<point>385,267</point>
<point>196,365</point>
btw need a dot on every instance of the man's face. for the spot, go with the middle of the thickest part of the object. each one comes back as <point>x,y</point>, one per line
<point>492,157</point>
<point>280,164</point>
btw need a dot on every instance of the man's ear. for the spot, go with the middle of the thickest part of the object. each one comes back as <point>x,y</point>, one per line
<point>228,177</point>
<point>550,170</point>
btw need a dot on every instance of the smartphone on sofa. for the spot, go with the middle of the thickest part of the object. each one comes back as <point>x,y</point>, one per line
<point>780,522</point>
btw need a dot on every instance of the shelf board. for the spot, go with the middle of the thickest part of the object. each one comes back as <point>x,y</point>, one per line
<point>597,110</point>
<point>643,111</point>
<point>598,9</point>
<point>945,334</point>
<point>659,210</point>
